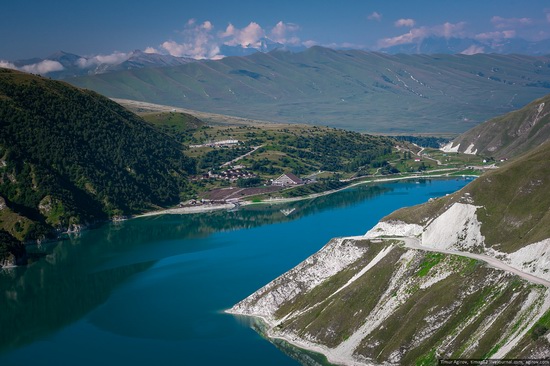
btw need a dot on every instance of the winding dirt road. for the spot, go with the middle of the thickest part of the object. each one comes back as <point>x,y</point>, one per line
<point>414,243</point>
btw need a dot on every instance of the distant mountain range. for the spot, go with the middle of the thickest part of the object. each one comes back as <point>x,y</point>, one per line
<point>442,45</point>
<point>351,89</point>
<point>65,65</point>
<point>69,65</point>
<point>265,45</point>
<point>74,65</point>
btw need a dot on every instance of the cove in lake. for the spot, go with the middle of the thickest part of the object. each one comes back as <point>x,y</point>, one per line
<point>152,290</point>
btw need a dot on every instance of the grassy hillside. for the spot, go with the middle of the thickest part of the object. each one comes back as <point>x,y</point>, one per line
<point>356,90</point>
<point>70,157</point>
<point>372,299</point>
<point>375,300</point>
<point>266,150</point>
<point>509,135</point>
<point>514,202</point>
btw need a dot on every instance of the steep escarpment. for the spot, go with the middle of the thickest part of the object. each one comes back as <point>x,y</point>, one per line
<point>70,157</point>
<point>463,276</point>
<point>395,305</point>
<point>507,136</point>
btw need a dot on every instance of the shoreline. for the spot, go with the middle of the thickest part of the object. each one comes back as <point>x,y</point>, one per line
<point>228,206</point>
<point>297,342</point>
<point>332,355</point>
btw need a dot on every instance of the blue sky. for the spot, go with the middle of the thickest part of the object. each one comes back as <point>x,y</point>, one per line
<point>198,28</point>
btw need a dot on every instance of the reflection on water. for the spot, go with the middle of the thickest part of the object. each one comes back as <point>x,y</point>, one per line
<point>149,288</point>
<point>306,358</point>
<point>83,270</point>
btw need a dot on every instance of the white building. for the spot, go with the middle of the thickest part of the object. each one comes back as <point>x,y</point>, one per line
<point>287,179</point>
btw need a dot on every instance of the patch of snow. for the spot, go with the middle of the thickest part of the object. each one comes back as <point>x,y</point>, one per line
<point>470,150</point>
<point>450,148</point>
<point>457,228</point>
<point>393,228</point>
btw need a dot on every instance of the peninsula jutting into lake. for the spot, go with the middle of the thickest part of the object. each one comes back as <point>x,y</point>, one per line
<point>275,183</point>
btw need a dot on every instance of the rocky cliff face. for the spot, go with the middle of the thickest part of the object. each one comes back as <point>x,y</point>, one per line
<point>463,276</point>
<point>395,305</point>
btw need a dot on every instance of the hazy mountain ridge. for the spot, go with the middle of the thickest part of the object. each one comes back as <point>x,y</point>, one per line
<point>509,135</point>
<point>417,287</point>
<point>71,157</point>
<point>357,90</point>
<point>72,65</point>
<point>443,45</point>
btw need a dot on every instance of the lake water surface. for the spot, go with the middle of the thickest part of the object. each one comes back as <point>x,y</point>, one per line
<point>152,291</point>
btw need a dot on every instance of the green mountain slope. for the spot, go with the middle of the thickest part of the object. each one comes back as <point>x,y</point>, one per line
<point>462,276</point>
<point>70,157</point>
<point>513,203</point>
<point>357,90</point>
<point>509,135</point>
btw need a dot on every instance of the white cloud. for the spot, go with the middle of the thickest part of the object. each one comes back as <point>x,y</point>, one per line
<point>229,31</point>
<point>201,41</point>
<point>7,65</point>
<point>375,16</point>
<point>151,50</point>
<point>473,49</point>
<point>405,23</point>
<point>42,67</point>
<point>114,58</point>
<point>415,34</point>
<point>207,25</point>
<point>248,36</point>
<point>310,43</point>
<point>500,22</point>
<point>447,30</point>
<point>198,42</point>
<point>548,17</point>
<point>344,45</point>
<point>283,33</point>
<point>497,35</point>
<point>174,48</point>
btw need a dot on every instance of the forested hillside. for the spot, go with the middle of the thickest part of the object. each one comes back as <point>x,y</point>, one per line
<point>70,157</point>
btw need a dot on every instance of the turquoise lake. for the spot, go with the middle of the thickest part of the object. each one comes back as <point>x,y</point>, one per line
<point>151,291</point>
